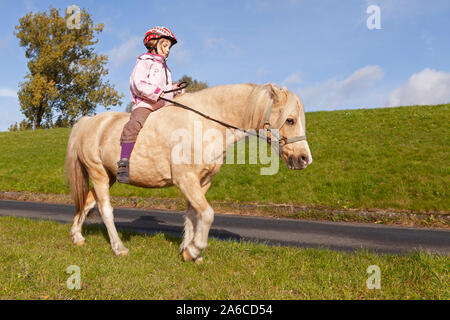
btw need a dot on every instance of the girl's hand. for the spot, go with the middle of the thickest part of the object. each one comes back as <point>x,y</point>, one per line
<point>179,85</point>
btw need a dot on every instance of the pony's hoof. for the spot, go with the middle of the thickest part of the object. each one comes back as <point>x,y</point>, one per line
<point>186,255</point>
<point>80,243</point>
<point>122,252</point>
<point>199,260</point>
<point>78,239</point>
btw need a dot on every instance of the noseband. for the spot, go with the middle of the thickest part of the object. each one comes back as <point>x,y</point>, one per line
<point>270,131</point>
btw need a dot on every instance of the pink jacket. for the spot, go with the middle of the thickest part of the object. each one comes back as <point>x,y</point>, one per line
<point>148,81</point>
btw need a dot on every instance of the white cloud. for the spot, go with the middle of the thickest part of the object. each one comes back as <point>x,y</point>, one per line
<point>9,109</point>
<point>30,6</point>
<point>293,78</point>
<point>222,45</point>
<point>127,51</point>
<point>180,53</point>
<point>349,92</point>
<point>7,92</point>
<point>4,42</point>
<point>427,87</point>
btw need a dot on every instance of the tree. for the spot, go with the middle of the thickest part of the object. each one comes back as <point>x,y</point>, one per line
<point>65,78</point>
<point>129,106</point>
<point>194,85</point>
<point>23,125</point>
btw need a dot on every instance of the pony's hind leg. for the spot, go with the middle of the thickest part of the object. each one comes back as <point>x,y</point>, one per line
<point>101,182</point>
<point>80,216</point>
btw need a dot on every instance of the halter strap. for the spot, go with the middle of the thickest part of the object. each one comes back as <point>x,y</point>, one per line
<point>280,138</point>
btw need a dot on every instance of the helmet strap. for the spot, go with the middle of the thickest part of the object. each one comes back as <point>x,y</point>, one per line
<point>156,47</point>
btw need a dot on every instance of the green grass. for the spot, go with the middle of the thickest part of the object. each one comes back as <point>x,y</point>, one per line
<point>34,256</point>
<point>393,158</point>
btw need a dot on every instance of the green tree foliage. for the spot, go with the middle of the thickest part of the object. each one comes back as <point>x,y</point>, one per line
<point>129,106</point>
<point>194,85</point>
<point>65,78</point>
<point>23,125</point>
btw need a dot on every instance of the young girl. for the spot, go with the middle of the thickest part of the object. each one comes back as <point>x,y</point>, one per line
<point>148,81</point>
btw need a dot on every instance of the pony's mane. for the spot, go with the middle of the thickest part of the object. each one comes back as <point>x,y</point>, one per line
<point>263,97</point>
<point>258,103</point>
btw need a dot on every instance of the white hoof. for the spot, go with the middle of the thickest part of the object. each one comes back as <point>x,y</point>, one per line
<point>191,253</point>
<point>199,260</point>
<point>186,255</point>
<point>121,251</point>
<point>78,239</point>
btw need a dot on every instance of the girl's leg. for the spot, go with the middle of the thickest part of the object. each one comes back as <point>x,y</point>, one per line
<point>128,139</point>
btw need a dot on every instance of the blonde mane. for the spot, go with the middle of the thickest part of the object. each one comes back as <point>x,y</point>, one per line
<point>264,97</point>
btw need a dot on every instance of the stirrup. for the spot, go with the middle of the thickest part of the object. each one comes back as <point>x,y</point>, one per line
<point>123,175</point>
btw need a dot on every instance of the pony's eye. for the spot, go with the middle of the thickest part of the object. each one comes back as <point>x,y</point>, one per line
<point>290,121</point>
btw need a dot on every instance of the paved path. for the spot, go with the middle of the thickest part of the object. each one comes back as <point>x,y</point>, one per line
<point>300,233</point>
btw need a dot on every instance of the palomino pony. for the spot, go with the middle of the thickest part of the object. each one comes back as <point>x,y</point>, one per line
<point>93,151</point>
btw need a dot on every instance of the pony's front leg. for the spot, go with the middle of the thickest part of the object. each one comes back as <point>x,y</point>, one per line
<point>200,242</point>
<point>200,224</point>
<point>190,223</point>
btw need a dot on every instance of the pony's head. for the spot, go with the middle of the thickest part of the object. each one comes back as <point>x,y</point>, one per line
<point>287,114</point>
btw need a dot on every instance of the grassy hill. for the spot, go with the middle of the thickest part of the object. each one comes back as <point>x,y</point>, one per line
<point>396,158</point>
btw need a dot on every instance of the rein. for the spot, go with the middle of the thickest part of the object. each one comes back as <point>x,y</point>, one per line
<point>267,126</point>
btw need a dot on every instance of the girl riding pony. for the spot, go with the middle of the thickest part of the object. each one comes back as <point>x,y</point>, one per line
<point>148,81</point>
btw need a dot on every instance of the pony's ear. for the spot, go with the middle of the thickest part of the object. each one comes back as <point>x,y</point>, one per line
<point>273,92</point>
<point>278,95</point>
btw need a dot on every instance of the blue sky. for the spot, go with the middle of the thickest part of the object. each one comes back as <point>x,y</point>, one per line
<point>320,49</point>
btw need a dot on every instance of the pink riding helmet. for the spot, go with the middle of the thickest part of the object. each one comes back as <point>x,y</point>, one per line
<point>158,33</point>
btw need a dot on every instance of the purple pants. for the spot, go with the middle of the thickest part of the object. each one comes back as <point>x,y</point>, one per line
<point>131,130</point>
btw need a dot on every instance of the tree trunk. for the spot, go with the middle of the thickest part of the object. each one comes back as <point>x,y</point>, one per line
<point>35,124</point>
<point>38,118</point>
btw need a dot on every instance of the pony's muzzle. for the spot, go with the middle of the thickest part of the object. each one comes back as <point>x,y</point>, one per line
<point>299,162</point>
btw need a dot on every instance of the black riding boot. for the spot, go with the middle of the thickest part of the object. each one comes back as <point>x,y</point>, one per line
<point>123,171</point>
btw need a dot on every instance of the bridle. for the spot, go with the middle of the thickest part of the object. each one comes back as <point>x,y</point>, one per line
<point>269,130</point>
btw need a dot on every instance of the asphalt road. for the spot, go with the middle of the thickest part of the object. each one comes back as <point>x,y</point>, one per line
<point>299,233</point>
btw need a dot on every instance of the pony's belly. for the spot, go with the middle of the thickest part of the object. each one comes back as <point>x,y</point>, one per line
<point>147,183</point>
<point>149,175</point>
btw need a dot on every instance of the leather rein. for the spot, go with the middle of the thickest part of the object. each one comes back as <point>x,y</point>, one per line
<point>267,127</point>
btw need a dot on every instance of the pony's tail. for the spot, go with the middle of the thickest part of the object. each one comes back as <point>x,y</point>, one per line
<point>75,171</point>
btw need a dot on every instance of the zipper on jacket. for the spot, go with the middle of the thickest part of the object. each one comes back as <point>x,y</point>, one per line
<point>165,71</point>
